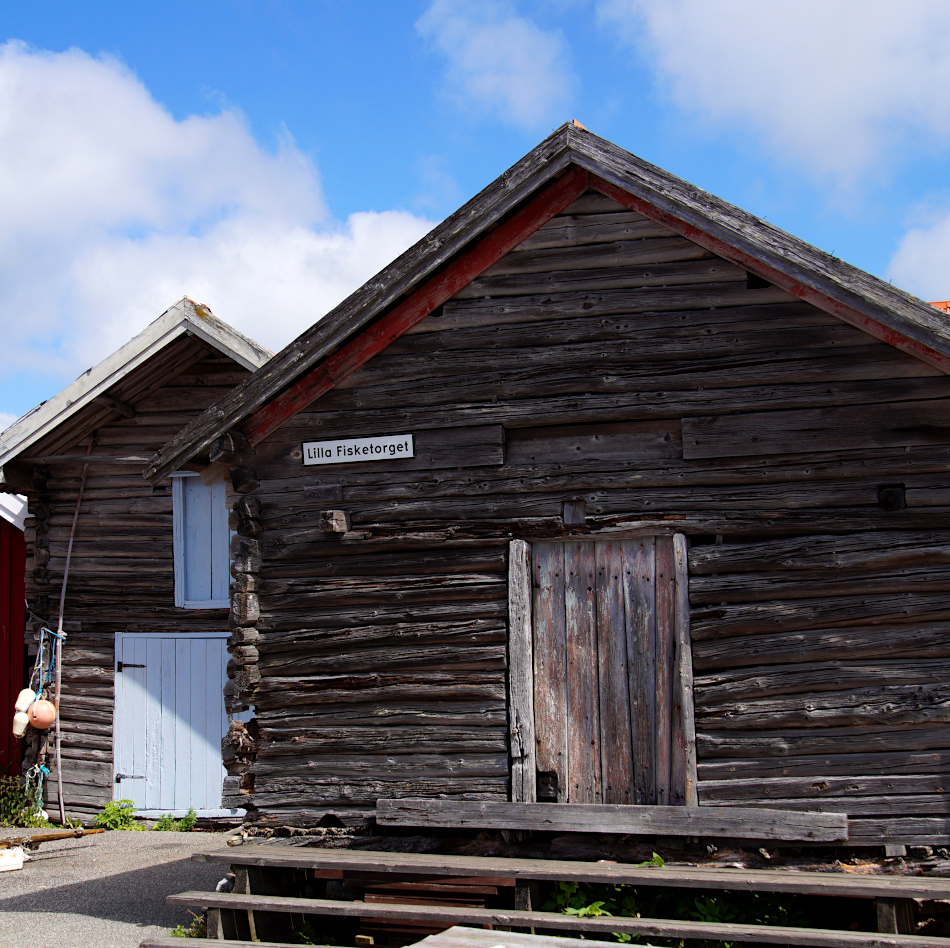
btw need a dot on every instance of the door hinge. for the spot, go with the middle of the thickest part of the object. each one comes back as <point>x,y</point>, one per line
<point>119,777</point>
<point>120,665</point>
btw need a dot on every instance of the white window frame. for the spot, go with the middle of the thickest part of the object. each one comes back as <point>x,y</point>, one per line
<point>178,543</point>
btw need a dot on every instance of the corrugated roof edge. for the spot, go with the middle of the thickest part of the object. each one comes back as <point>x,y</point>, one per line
<point>184,318</point>
<point>571,144</point>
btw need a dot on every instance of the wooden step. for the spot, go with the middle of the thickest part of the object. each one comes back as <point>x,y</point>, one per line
<point>455,937</point>
<point>709,821</point>
<point>649,927</point>
<point>553,870</point>
<point>459,937</point>
<point>167,941</point>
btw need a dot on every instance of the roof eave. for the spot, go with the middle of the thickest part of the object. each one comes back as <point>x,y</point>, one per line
<point>184,318</point>
<point>439,246</point>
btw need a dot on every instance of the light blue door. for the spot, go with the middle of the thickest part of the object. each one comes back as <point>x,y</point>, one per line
<point>169,720</point>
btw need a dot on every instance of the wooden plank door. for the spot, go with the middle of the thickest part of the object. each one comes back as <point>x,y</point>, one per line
<point>169,720</point>
<point>601,671</point>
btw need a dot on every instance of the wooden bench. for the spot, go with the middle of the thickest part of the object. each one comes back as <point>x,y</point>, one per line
<point>710,821</point>
<point>455,937</point>
<point>889,891</point>
<point>661,928</point>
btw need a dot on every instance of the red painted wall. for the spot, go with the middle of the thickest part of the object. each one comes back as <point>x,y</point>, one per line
<point>12,619</point>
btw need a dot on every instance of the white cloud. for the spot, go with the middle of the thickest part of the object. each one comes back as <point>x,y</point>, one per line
<point>6,419</point>
<point>113,210</point>
<point>833,85</point>
<point>499,62</point>
<point>922,261</point>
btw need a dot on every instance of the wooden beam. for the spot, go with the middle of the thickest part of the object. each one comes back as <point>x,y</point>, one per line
<point>439,915</point>
<point>684,673</point>
<point>231,448</point>
<point>16,477</point>
<point>774,276</point>
<point>121,408</point>
<point>555,870</point>
<point>432,294</point>
<point>521,674</point>
<point>731,822</point>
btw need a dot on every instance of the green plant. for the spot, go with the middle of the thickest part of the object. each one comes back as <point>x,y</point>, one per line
<point>584,900</point>
<point>168,823</point>
<point>18,805</point>
<point>306,934</point>
<point>118,815</point>
<point>197,929</point>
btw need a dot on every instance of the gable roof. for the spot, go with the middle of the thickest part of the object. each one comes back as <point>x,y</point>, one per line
<point>330,349</point>
<point>184,319</point>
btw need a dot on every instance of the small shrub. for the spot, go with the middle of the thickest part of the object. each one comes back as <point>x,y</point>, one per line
<point>118,815</point>
<point>168,823</point>
<point>17,806</point>
<point>197,929</point>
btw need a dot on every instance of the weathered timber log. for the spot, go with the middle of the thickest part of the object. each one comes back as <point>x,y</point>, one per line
<point>779,432</point>
<point>244,480</point>
<point>242,636</point>
<point>417,711</point>
<point>861,551</point>
<point>407,766</point>
<point>922,640</point>
<point>747,823</point>
<point>245,555</point>
<point>715,688</point>
<point>803,742</point>
<point>481,740</point>
<point>244,655</point>
<point>809,584</point>
<point>245,609</point>
<point>381,659</point>
<point>820,766</point>
<point>231,447</point>
<point>793,615</point>
<point>864,707</point>
<point>339,641</point>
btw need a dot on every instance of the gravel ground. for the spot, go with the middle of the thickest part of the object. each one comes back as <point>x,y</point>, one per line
<point>103,891</point>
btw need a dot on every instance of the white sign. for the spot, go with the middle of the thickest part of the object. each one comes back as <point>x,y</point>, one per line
<point>355,450</point>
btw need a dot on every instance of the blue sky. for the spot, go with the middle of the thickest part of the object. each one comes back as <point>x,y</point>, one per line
<point>266,157</point>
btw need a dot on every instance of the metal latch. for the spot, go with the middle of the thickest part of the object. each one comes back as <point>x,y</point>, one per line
<point>120,665</point>
<point>119,777</point>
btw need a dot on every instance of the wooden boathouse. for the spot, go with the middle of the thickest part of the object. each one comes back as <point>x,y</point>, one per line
<point>604,492</point>
<point>147,592</point>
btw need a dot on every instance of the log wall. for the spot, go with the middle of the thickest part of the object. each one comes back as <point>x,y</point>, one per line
<point>611,377</point>
<point>121,576</point>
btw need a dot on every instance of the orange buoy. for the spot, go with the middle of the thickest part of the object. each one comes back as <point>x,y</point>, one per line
<point>42,714</point>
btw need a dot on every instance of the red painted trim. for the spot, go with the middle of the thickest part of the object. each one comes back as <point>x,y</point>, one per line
<point>356,353</point>
<point>719,247</point>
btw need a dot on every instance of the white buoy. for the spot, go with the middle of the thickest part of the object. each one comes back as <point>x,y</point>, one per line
<point>24,699</point>
<point>20,721</point>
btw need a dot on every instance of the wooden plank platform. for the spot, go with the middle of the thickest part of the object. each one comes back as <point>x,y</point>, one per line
<point>649,927</point>
<point>167,941</point>
<point>731,822</point>
<point>454,937</point>
<point>689,877</point>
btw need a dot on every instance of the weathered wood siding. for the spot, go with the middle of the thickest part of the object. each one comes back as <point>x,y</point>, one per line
<point>610,363</point>
<point>121,576</point>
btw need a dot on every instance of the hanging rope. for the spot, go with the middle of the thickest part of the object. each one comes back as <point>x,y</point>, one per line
<point>57,665</point>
